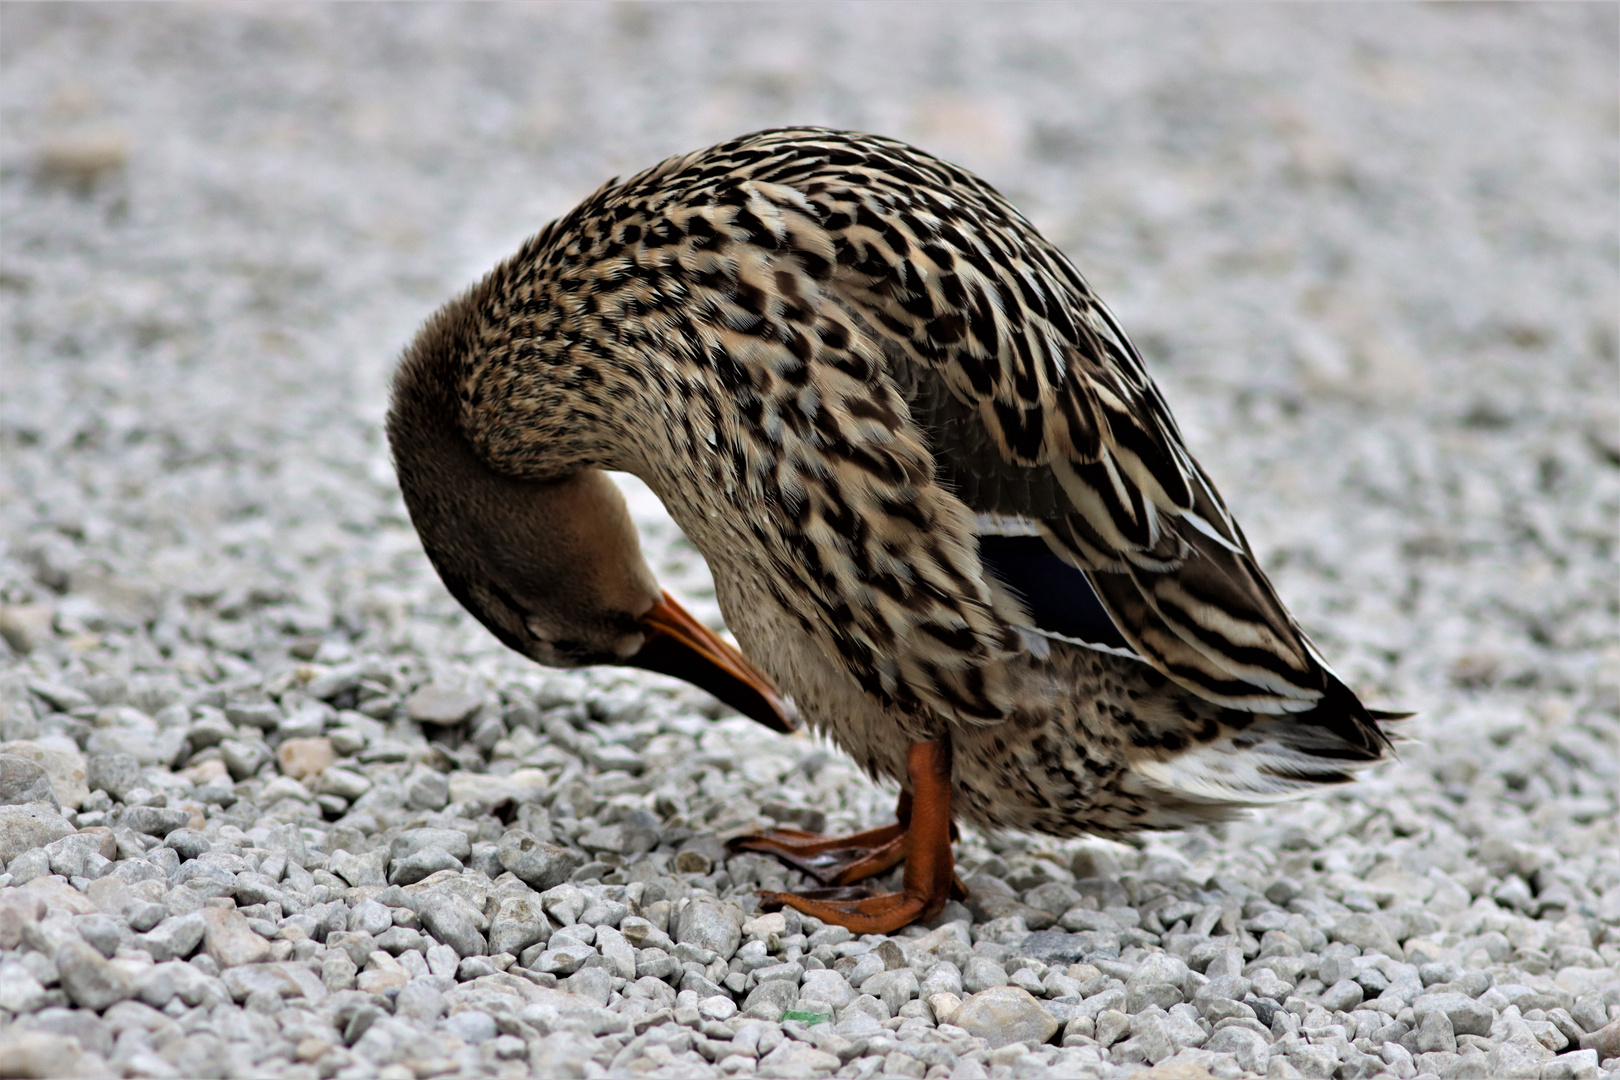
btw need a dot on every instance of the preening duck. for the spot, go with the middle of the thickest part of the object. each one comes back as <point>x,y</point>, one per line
<point>947,511</point>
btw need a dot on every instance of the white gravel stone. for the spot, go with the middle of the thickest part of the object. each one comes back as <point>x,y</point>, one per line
<point>360,870</point>
<point>344,783</point>
<point>473,1026</point>
<point>982,973</point>
<point>421,1001</point>
<point>1578,1065</point>
<point>1250,1048</point>
<point>174,979</point>
<point>708,926</point>
<point>1465,1015</point>
<point>175,938</point>
<point>421,864</point>
<point>893,988</point>
<point>20,990</point>
<point>23,781</point>
<point>243,757</point>
<point>826,989</point>
<point>769,1000</point>
<point>795,1059</point>
<point>90,980</point>
<point>441,705</point>
<point>1005,1014</point>
<point>519,923</point>
<point>542,866</point>
<point>456,925</point>
<point>229,940</point>
<point>30,826</point>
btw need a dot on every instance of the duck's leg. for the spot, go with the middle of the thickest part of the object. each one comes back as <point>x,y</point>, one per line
<point>925,844</point>
<point>837,860</point>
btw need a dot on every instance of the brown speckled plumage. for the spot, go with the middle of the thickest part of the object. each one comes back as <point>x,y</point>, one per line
<point>843,365</point>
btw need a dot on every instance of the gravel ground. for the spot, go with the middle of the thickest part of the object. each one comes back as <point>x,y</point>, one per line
<point>274,806</point>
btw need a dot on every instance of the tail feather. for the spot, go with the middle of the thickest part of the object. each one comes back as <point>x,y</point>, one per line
<point>1275,758</point>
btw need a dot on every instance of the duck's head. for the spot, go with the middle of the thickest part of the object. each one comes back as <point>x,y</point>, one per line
<point>553,569</point>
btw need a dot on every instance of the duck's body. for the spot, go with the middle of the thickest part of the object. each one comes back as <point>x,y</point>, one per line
<point>863,385</point>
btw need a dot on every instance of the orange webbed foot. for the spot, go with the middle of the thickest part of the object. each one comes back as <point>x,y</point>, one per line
<point>883,913</point>
<point>922,838</point>
<point>832,860</point>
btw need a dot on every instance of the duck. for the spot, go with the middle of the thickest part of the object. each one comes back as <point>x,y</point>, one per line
<point>952,524</point>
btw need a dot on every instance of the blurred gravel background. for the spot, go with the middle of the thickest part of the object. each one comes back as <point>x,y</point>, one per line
<point>1371,256</point>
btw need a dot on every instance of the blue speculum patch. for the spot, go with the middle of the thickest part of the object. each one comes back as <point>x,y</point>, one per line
<point>1059,597</point>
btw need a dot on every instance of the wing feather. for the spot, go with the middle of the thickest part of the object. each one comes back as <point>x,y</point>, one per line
<point>1002,373</point>
<point>1037,405</point>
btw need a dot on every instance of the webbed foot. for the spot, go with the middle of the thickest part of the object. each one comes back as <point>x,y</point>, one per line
<point>922,838</point>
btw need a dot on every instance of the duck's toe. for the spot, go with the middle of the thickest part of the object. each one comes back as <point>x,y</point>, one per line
<point>832,860</point>
<point>883,913</point>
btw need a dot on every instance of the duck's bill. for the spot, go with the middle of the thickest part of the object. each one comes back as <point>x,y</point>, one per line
<point>679,645</point>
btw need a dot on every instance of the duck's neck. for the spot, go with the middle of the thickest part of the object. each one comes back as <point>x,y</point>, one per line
<point>519,390</point>
<point>559,539</point>
<point>536,399</point>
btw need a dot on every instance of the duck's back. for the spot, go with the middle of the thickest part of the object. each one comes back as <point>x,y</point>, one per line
<point>899,383</point>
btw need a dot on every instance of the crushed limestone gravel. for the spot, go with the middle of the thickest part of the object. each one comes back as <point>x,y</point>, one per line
<point>272,805</point>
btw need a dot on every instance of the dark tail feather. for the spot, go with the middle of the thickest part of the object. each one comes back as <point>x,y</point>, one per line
<point>1360,731</point>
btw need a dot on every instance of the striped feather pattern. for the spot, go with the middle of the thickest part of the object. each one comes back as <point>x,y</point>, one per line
<point>876,343</point>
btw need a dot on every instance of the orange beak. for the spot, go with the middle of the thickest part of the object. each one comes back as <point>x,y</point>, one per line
<point>679,645</point>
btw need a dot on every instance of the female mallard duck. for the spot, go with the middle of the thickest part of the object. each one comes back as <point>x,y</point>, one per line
<point>946,509</point>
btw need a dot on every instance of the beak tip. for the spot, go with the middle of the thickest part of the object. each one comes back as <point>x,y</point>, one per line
<point>679,645</point>
<point>789,712</point>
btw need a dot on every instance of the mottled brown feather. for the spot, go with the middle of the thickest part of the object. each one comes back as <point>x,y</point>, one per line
<point>827,353</point>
